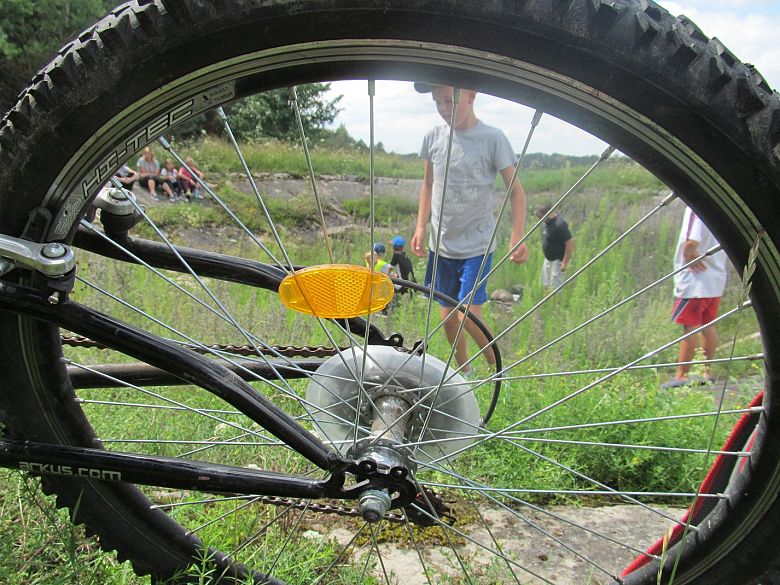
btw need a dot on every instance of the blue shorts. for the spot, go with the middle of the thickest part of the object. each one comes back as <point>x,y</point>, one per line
<point>456,277</point>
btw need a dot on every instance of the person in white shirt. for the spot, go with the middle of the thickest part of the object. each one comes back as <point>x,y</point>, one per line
<point>697,292</point>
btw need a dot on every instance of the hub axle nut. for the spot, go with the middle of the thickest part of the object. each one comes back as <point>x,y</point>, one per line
<point>374,504</point>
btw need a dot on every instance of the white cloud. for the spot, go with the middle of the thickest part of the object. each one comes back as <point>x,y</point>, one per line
<point>747,27</point>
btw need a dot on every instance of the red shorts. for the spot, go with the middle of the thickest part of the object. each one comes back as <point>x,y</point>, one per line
<point>695,312</point>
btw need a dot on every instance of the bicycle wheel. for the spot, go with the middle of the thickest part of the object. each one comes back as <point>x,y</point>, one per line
<point>651,85</point>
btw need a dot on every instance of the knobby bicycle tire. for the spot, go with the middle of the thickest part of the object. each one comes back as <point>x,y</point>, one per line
<point>678,102</point>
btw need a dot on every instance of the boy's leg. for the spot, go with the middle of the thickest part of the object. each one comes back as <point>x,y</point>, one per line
<point>448,283</point>
<point>709,336</point>
<point>166,187</point>
<point>687,352</point>
<point>478,336</point>
<point>545,274</point>
<point>709,344</point>
<point>451,325</point>
<point>558,277</point>
<point>470,276</point>
<point>691,314</point>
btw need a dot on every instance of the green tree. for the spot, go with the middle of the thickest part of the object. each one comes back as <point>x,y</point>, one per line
<point>271,114</point>
<point>31,31</point>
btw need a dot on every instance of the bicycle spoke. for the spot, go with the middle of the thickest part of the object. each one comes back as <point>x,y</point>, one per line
<point>255,190</point>
<point>310,167</point>
<point>595,383</point>
<point>284,390</point>
<point>538,528</point>
<point>170,401</point>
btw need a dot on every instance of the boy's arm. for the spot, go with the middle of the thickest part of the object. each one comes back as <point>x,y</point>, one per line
<point>423,210</point>
<point>690,250</point>
<point>517,200</point>
<point>568,250</point>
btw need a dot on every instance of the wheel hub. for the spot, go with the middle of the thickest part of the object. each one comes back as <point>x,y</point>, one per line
<point>409,401</point>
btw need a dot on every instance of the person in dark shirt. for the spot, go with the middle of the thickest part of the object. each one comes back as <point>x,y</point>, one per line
<point>557,246</point>
<point>400,260</point>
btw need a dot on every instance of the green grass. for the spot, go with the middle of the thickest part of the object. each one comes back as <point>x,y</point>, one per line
<point>218,157</point>
<point>392,209</point>
<point>40,546</point>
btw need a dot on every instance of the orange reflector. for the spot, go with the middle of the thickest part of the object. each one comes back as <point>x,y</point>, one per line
<point>336,291</point>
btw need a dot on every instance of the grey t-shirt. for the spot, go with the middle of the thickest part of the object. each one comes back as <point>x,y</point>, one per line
<point>148,168</point>
<point>467,221</point>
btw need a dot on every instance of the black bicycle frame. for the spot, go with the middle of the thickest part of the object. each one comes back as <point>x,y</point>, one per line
<point>191,368</point>
<point>97,464</point>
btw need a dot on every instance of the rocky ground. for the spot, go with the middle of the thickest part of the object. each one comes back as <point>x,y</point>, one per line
<point>540,545</point>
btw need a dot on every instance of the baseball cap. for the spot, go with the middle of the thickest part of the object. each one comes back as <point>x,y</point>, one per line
<point>422,87</point>
<point>379,247</point>
<point>398,242</point>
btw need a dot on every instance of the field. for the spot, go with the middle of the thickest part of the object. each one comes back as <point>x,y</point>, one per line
<point>40,545</point>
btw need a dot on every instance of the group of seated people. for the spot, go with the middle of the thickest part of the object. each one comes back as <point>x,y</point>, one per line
<point>177,184</point>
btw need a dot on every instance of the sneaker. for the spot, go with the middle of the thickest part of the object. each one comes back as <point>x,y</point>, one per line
<point>675,383</point>
<point>155,197</point>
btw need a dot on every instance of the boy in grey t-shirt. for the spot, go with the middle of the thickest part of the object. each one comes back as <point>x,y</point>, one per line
<point>464,230</point>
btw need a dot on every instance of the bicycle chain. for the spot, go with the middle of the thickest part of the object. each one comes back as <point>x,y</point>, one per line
<point>289,351</point>
<point>414,515</point>
<point>332,509</point>
<point>441,509</point>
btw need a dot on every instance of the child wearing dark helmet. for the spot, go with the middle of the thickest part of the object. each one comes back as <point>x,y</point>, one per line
<point>401,262</point>
<point>376,259</point>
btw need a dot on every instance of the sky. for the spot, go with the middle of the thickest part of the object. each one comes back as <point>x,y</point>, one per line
<point>749,28</point>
